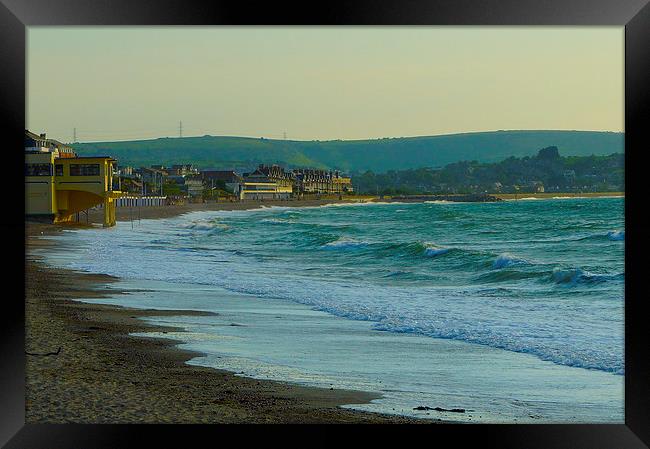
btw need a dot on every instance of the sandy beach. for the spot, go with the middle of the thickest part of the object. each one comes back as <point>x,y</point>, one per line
<point>82,365</point>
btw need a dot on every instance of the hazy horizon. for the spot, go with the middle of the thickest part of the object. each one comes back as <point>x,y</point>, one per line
<point>321,83</point>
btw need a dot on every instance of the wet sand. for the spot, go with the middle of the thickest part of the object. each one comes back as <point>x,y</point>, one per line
<point>82,365</point>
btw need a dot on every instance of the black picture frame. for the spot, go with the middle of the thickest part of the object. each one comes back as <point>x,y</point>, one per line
<point>16,15</point>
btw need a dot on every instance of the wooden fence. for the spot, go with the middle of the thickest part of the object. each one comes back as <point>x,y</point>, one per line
<point>138,201</point>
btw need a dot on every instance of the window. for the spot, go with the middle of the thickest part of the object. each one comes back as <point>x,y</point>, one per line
<point>84,169</point>
<point>58,169</point>
<point>38,169</point>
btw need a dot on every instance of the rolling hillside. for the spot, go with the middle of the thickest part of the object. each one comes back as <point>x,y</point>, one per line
<point>378,155</point>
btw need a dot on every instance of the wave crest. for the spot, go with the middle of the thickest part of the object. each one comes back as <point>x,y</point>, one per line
<point>574,276</point>
<point>205,225</point>
<point>344,244</point>
<point>507,260</point>
<point>432,250</point>
<point>616,235</point>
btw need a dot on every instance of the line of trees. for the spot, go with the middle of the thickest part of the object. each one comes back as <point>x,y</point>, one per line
<point>547,171</point>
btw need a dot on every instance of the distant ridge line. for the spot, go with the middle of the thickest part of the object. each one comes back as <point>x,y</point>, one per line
<point>356,140</point>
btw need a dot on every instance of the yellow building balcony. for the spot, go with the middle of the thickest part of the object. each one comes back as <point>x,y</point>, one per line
<point>57,188</point>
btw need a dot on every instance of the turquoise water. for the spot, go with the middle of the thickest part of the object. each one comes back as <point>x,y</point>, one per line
<point>541,278</point>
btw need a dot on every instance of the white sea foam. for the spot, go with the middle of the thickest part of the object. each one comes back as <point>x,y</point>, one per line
<point>344,243</point>
<point>204,225</point>
<point>433,250</point>
<point>361,203</point>
<point>275,221</point>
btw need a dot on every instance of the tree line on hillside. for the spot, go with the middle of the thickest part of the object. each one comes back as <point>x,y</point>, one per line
<point>545,172</point>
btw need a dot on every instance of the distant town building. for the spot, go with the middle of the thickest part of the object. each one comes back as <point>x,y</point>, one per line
<point>125,171</point>
<point>152,178</point>
<point>160,168</point>
<point>152,175</point>
<point>284,179</point>
<point>193,185</point>
<point>39,143</point>
<point>321,181</point>
<point>258,185</point>
<point>183,170</point>
<point>537,186</point>
<point>230,178</point>
<point>227,176</point>
<point>274,182</point>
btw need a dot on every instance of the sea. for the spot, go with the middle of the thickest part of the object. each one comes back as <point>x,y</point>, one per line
<point>510,311</point>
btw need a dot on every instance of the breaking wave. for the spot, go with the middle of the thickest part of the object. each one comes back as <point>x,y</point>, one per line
<point>431,250</point>
<point>616,235</point>
<point>205,225</point>
<point>344,244</point>
<point>506,260</point>
<point>574,276</point>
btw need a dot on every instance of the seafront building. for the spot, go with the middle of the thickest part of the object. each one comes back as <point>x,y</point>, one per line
<point>59,184</point>
<point>274,182</point>
<point>321,181</point>
<point>192,184</point>
<point>265,183</point>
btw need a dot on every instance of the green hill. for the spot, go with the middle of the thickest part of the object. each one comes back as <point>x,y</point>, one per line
<point>378,155</point>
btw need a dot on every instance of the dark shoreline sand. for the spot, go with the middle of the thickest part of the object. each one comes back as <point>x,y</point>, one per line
<point>103,375</point>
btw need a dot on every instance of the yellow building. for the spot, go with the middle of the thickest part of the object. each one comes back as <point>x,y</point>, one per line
<point>342,184</point>
<point>59,184</point>
<point>258,189</point>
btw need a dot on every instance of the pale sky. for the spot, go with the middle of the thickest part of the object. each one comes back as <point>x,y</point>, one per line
<point>123,83</point>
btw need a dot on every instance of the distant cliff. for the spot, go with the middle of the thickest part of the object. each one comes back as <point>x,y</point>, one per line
<point>378,155</point>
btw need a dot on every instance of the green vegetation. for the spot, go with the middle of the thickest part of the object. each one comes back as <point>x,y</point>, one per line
<point>547,170</point>
<point>216,189</point>
<point>210,194</point>
<point>378,155</point>
<point>169,188</point>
